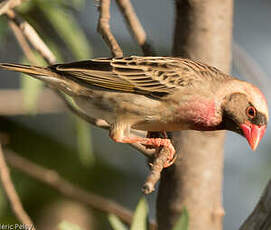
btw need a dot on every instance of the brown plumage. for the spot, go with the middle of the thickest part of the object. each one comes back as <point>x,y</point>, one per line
<point>158,94</point>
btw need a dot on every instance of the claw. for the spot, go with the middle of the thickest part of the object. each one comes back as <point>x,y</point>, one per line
<point>170,161</point>
<point>157,143</point>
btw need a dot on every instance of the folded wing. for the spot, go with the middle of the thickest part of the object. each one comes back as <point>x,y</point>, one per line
<point>152,76</point>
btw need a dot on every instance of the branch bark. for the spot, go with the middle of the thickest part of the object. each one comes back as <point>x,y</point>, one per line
<point>11,193</point>
<point>135,27</point>
<point>32,36</point>
<point>7,5</point>
<point>104,28</point>
<point>202,32</point>
<point>260,218</point>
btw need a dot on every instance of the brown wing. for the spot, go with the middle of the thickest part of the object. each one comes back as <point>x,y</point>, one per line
<point>154,76</point>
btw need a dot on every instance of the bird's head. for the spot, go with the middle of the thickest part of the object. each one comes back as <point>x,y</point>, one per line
<point>246,112</point>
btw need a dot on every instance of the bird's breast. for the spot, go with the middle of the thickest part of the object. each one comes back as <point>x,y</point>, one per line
<point>201,113</point>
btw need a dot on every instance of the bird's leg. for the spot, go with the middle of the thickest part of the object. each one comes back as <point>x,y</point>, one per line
<point>156,142</point>
<point>117,133</point>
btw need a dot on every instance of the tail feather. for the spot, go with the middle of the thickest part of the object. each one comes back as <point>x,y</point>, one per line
<point>46,75</point>
<point>32,70</point>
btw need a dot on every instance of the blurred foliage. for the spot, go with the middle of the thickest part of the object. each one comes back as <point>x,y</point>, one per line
<point>140,219</point>
<point>183,221</point>
<point>65,225</point>
<point>83,135</point>
<point>68,30</point>
<point>116,223</point>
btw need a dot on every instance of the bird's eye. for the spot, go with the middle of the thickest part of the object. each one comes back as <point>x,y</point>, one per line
<point>251,112</point>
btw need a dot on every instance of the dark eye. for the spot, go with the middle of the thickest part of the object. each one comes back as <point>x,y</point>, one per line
<point>251,112</point>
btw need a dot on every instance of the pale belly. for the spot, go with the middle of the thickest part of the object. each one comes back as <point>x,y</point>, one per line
<point>95,111</point>
<point>156,126</point>
<point>115,107</point>
<point>131,111</point>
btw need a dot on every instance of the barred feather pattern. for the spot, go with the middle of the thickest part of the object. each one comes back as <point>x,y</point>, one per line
<point>153,76</point>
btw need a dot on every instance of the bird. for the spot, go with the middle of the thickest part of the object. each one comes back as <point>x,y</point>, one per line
<point>157,94</point>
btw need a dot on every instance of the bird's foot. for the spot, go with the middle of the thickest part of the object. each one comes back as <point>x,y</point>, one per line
<point>155,142</point>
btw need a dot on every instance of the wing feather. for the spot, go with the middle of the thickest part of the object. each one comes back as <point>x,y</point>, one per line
<point>154,76</point>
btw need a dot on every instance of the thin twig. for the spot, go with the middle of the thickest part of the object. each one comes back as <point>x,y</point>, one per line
<point>23,42</point>
<point>55,181</point>
<point>135,26</point>
<point>33,37</point>
<point>7,5</point>
<point>11,193</point>
<point>104,28</point>
<point>155,173</point>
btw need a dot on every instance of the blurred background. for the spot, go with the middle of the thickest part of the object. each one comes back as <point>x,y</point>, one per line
<point>86,155</point>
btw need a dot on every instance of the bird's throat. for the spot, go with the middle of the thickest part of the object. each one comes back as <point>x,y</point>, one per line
<point>201,114</point>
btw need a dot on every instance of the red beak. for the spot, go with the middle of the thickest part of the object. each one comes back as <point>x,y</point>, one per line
<point>253,134</point>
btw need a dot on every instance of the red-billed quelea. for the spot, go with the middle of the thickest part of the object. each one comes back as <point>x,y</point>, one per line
<point>158,94</point>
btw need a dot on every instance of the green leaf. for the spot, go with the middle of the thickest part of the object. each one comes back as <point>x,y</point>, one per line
<point>69,30</point>
<point>183,222</point>
<point>65,225</point>
<point>140,216</point>
<point>116,223</point>
<point>84,142</point>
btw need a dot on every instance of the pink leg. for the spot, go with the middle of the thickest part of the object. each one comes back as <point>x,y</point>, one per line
<point>156,142</point>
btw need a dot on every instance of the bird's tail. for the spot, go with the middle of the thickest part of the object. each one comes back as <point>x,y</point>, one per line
<point>45,74</point>
<point>27,69</point>
<point>42,73</point>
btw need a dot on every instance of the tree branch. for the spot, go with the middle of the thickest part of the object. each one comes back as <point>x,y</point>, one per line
<point>11,193</point>
<point>55,181</point>
<point>33,37</point>
<point>260,218</point>
<point>22,42</point>
<point>104,28</point>
<point>155,173</point>
<point>135,26</point>
<point>7,5</point>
